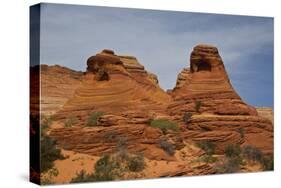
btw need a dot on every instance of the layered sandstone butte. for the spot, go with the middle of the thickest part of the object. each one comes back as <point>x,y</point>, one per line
<point>222,117</point>
<point>207,81</point>
<point>116,85</point>
<point>129,97</point>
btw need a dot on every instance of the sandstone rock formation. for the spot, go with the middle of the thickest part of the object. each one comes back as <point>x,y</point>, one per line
<point>222,113</point>
<point>129,90</point>
<point>266,113</point>
<point>129,97</point>
<point>57,86</point>
<point>208,82</point>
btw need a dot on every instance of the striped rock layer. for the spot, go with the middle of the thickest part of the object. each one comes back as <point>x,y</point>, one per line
<point>130,98</point>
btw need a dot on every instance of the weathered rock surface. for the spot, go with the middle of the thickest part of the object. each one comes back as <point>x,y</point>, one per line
<point>101,140</point>
<point>266,113</point>
<point>207,81</point>
<point>224,130</point>
<point>223,117</point>
<point>130,98</point>
<point>58,84</point>
<point>129,90</point>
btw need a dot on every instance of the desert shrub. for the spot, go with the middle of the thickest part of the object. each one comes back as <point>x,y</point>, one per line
<point>164,125</point>
<point>82,176</point>
<point>93,119</point>
<point>106,169</point>
<point>232,162</point>
<point>112,167</point>
<point>198,105</point>
<point>252,153</point>
<point>168,147</point>
<point>208,159</point>
<point>71,121</point>
<point>45,123</point>
<point>230,165</point>
<point>49,153</point>
<point>207,146</point>
<point>268,163</point>
<point>122,143</point>
<point>136,163</point>
<point>122,152</point>
<point>232,151</point>
<point>110,136</point>
<point>46,179</point>
<point>187,116</point>
<point>241,131</point>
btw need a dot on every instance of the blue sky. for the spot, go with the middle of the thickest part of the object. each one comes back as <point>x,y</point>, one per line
<point>162,41</point>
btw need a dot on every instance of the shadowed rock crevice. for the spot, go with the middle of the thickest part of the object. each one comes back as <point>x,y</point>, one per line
<point>202,66</point>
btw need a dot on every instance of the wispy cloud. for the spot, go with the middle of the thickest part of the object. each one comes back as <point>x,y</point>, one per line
<point>161,40</point>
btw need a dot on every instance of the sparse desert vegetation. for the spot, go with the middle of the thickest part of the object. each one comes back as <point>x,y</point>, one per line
<point>49,153</point>
<point>198,105</point>
<point>71,122</point>
<point>167,146</point>
<point>164,125</point>
<point>93,118</point>
<point>112,167</point>
<point>186,117</point>
<point>117,123</point>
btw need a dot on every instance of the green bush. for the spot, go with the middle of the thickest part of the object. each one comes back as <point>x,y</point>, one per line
<point>268,163</point>
<point>46,179</point>
<point>106,169</point>
<point>164,125</point>
<point>122,143</point>
<point>168,147</point>
<point>121,147</point>
<point>45,123</point>
<point>93,119</point>
<point>233,160</point>
<point>186,117</point>
<point>207,146</point>
<point>110,136</point>
<point>231,165</point>
<point>232,151</point>
<point>198,105</point>
<point>208,159</point>
<point>82,176</point>
<point>111,167</point>
<point>71,121</point>
<point>252,153</point>
<point>136,163</point>
<point>49,153</point>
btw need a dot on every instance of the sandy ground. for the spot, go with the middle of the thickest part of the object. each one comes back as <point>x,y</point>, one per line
<point>73,164</point>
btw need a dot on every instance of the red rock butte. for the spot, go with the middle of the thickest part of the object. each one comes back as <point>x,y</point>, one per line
<point>130,97</point>
<point>206,80</point>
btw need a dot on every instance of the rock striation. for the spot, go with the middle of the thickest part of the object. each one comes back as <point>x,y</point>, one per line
<point>222,114</point>
<point>129,89</point>
<point>58,84</point>
<point>129,97</point>
<point>207,81</point>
